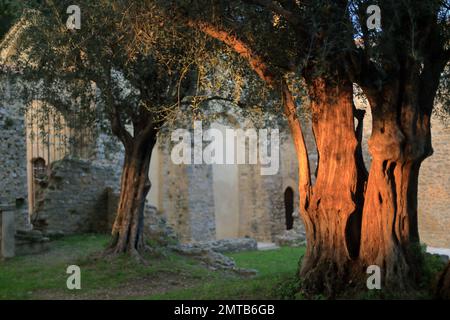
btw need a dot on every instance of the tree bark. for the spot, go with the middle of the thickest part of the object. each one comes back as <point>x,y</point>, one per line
<point>127,231</point>
<point>304,172</point>
<point>400,141</point>
<point>331,215</point>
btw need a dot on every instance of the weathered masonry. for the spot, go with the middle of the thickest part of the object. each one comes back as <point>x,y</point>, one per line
<point>58,178</point>
<point>7,230</point>
<point>218,201</point>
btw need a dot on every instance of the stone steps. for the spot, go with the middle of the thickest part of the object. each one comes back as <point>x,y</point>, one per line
<point>30,242</point>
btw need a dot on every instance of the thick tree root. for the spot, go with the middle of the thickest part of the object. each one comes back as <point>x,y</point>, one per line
<point>329,280</point>
<point>326,279</point>
<point>113,252</point>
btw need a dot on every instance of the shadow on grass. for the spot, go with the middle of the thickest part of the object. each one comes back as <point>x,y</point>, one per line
<point>168,275</point>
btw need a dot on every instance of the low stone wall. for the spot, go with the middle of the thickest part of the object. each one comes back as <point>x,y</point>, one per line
<point>221,246</point>
<point>210,253</point>
<point>76,198</point>
<point>296,237</point>
<point>31,242</point>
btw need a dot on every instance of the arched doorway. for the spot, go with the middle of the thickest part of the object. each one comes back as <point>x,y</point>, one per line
<point>289,207</point>
<point>51,137</point>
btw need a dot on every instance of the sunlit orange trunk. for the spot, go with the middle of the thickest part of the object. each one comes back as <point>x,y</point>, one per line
<point>127,232</point>
<point>332,216</point>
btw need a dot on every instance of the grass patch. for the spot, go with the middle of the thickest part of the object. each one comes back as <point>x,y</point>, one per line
<point>168,275</point>
<point>43,276</point>
<point>275,268</point>
<point>22,276</point>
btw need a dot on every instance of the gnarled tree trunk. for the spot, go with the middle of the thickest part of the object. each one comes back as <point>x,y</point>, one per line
<point>127,231</point>
<point>331,216</point>
<point>400,141</point>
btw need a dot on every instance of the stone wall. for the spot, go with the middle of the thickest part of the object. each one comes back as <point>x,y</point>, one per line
<point>195,198</point>
<point>13,165</point>
<point>175,197</point>
<point>256,217</point>
<point>74,189</point>
<point>75,198</point>
<point>434,190</point>
<point>189,204</point>
<point>188,200</point>
<point>75,195</point>
<point>203,226</point>
<point>189,195</point>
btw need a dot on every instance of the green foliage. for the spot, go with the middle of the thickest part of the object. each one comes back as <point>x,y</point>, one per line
<point>289,289</point>
<point>8,124</point>
<point>106,73</point>
<point>128,65</point>
<point>10,10</point>
<point>432,267</point>
<point>44,275</point>
<point>330,40</point>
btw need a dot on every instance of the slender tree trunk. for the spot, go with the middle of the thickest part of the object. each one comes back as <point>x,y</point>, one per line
<point>332,215</point>
<point>127,232</point>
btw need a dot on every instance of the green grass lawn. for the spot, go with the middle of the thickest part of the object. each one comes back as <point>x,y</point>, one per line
<point>168,276</point>
<point>22,276</point>
<point>275,268</point>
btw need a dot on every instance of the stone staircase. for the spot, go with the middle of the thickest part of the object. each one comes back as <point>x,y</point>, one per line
<point>30,242</point>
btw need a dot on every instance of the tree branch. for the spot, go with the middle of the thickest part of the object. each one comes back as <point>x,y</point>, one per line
<point>258,64</point>
<point>145,127</point>
<point>118,128</point>
<point>429,82</point>
<point>304,172</point>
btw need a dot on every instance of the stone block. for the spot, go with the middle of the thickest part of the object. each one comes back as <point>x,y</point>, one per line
<point>8,232</point>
